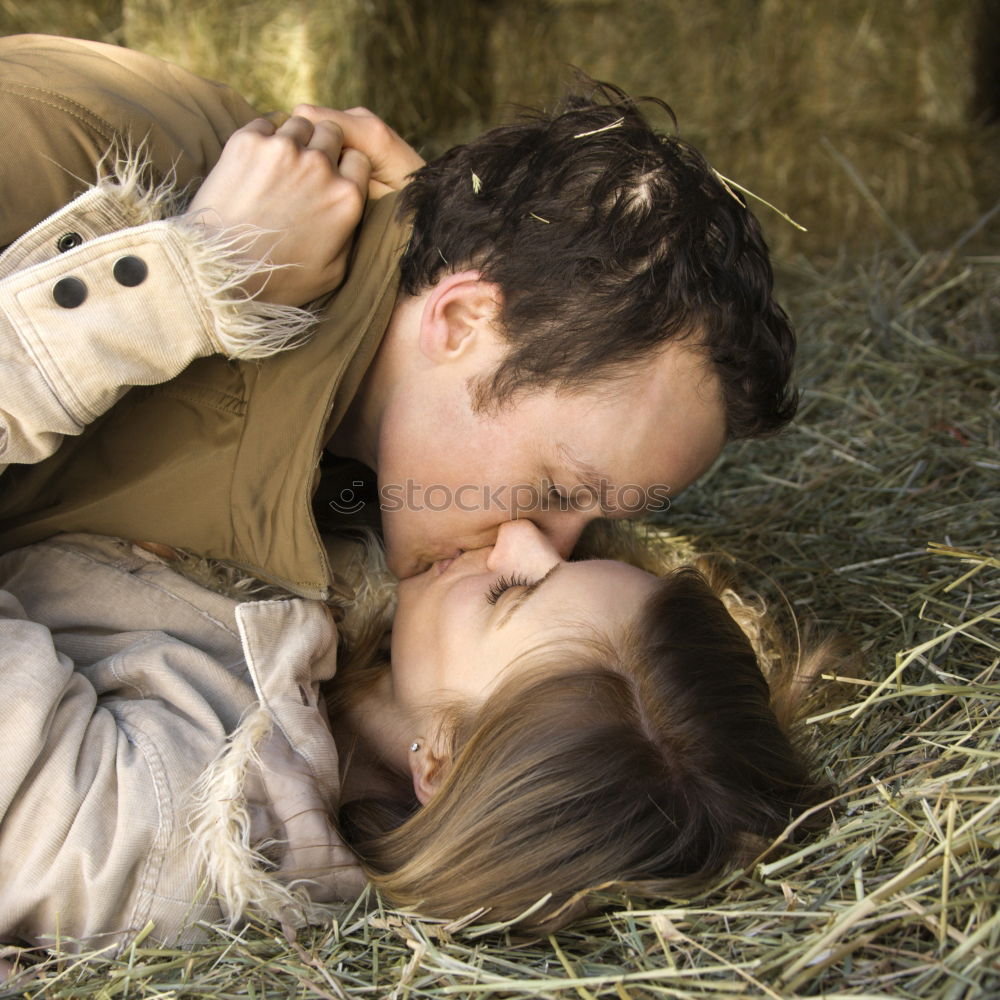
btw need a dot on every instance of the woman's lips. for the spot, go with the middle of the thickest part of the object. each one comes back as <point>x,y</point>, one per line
<point>442,564</point>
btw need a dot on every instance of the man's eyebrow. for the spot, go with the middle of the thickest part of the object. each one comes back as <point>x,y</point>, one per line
<point>528,591</point>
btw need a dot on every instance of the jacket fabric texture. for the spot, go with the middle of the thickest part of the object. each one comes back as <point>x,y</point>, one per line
<point>222,459</point>
<point>167,761</point>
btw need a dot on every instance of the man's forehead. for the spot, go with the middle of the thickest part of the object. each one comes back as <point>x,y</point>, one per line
<point>645,447</point>
<point>668,420</point>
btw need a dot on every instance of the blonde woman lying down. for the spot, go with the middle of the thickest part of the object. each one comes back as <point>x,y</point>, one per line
<point>541,727</point>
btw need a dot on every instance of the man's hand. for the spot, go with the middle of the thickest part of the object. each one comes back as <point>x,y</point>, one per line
<point>303,191</point>
<point>391,158</point>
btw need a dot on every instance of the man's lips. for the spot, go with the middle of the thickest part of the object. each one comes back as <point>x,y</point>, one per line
<point>442,564</point>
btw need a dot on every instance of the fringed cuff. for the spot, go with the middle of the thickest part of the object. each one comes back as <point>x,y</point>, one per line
<point>220,834</point>
<point>242,326</point>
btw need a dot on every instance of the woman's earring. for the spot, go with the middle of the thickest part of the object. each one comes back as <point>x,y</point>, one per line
<point>414,746</point>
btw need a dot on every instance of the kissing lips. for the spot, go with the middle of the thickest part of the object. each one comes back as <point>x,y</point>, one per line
<point>442,564</point>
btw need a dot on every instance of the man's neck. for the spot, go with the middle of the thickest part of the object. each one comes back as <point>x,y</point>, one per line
<point>357,435</point>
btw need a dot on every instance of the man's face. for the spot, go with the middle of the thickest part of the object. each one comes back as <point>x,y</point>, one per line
<point>450,475</point>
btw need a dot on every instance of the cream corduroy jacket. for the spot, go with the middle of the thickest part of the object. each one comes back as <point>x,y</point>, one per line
<point>166,758</point>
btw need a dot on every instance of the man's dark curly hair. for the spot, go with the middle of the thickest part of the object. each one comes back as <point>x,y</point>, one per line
<point>607,239</point>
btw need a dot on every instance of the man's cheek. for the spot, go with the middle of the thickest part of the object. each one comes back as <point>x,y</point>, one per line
<point>399,556</point>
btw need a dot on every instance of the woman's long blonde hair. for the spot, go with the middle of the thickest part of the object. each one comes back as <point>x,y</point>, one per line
<point>650,759</point>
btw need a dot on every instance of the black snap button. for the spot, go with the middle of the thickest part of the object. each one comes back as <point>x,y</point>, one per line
<point>68,241</point>
<point>69,293</point>
<point>130,271</point>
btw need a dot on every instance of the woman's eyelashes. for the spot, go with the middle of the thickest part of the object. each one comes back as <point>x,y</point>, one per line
<point>502,584</point>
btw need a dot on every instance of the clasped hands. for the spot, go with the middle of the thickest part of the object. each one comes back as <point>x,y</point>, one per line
<point>299,190</point>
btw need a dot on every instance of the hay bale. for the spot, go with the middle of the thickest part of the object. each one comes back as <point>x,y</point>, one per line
<point>759,86</point>
<point>426,68</point>
<point>766,89</point>
<point>98,20</point>
<point>276,54</point>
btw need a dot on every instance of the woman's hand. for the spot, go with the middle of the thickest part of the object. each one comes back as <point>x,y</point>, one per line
<point>302,185</point>
<point>392,159</point>
<point>302,190</point>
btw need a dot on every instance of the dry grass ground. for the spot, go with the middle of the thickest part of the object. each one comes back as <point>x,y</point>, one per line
<point>877,515</point>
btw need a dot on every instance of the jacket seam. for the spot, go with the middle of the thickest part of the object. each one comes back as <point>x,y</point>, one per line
<point>66,105</point>
<point>153,865</point>
<point>46,364</point>
<point>200,395</point>
<point>201,612</point>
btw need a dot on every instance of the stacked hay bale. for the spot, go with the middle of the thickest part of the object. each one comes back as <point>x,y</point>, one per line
<point>97,19</point>
<point>276,53</point>
<point>861,119</point>
<point>792,98</point>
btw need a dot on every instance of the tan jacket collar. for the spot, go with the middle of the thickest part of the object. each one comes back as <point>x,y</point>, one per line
<point>222,461</point>
<point>296,397</point>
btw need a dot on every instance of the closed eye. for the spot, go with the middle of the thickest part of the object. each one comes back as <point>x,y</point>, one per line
<point>501,585</point>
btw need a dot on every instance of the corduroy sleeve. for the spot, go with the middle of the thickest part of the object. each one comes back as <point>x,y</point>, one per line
<point>105,295</point>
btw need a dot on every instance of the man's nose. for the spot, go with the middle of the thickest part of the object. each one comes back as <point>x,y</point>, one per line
<point>522,548</point>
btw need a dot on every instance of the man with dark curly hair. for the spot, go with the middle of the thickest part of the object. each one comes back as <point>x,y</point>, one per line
<point>561,319</point>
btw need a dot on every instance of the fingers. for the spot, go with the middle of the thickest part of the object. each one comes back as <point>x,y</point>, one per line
<point>392,159</point>
<point>260,126</point>
<point>297,128</point>
<point>328,137</point>
<point>356,168</point>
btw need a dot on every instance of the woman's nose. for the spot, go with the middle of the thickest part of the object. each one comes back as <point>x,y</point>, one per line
<point>522,548</point>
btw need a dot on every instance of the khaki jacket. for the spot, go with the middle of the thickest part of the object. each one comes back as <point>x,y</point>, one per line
<point>66,102</point>
<point>223,459</point>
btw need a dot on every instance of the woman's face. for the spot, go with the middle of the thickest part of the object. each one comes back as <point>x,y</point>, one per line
<point>462,625</point>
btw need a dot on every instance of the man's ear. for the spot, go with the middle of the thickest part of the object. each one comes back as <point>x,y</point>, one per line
<point>429,766</point>
<point>460,314</point>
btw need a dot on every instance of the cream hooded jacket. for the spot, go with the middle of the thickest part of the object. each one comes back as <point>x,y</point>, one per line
<point>166,757</point>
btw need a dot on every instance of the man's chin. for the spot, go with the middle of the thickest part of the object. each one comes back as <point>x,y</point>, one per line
<point>414,564</point>
<point>407,565</point>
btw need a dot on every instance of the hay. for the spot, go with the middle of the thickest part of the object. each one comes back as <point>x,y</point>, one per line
<point>96,19</point>
<point>876,515</point>
<point>275,54</point>
<point>762,87</point>
<point>770,91</point>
